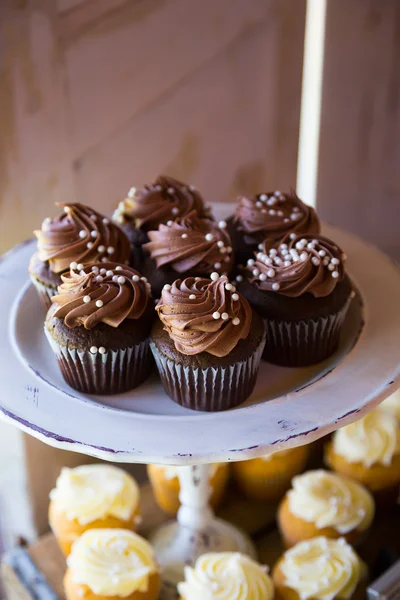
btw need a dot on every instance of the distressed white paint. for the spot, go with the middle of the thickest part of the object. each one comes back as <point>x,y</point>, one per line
<point>310,116</point>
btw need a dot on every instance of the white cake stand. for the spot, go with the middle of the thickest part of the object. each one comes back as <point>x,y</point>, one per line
<point>288,408</point>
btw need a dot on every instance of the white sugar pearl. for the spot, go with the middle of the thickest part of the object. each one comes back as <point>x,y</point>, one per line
<point>79,266</point>
<point>167,287</point>
<point>239,278</point>
<point>93,217</point>
<point>272,212</point>
<point>216,315</point>
<point>283,246</point>
<point>263,197</point>
<point>310,246</point>
<point>99,279</point>
<point>271,201</point>
<point>275,287</point>
<point>131,192</point>
<point>192,297</point>
<point>315,261</point>
<point>292,236</point>
<point>236,321</point>
<point>286,220</point>
<point>335,274</point>
<point>209,237</point>
<point>118,268</point>
<point>82,234</point>
<point>103,271</point>
<point>184,236</point>
<point>170,223</point>
<point>110,250</point>
<point>86,299</point>
<point>104,259</point>
<point>331,267</point>
<point>279,213</point>
<point>262,277</point>
<point>322,252</point>
<point>73,266</point>
<point>102,350</point>
<point>67,209</point>
<point>95,269</point>
<point>144,279</point>
<point>271,273</point>
<point>335,261</point>
<point>273,252</point>
<point>294,217</point>
<point>135,278</point>
<point>93,349</point>
<point>326,261</point>
<point>256,272</point>
<point>109,273</point>
<point>258,204</point>
<point>223,250</point>
<point>94,233</point>
<point>214,276</point>
<point>224,316</point>
<point>263,210</point>
<point>220,244</point>
<point>228,286</point>
<point>222,224</point>
<point>175,210</point>
<point>235,297</point>
<point>106,221</point>
<point>287,263</point>
<point>192,188</point>
<point>99,303</point>
<point>217,265</point>
<point>101,248</point>
<point>89,245</point>
<point>121,280</point>
<point>304,256</point>
<point>299,245</point>
<point>277,193</point>
<point>260,246</point>
<point>267,260</point>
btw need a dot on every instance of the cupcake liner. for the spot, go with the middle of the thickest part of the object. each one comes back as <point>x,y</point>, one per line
<point>210,389</point>
<point>114,372</point>
<point>45,292</point>
<point>302,343</point>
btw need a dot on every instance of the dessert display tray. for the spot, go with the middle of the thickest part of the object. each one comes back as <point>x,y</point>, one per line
<point>289,407</point>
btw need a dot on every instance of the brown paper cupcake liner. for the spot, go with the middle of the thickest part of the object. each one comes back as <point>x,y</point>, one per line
<point>45,292</point>
<point>114,372</point>
<point>210,389</point>
<point>303,343</point>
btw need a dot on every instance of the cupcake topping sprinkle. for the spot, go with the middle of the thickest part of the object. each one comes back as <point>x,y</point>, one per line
<point>65,239</point>
<point>297,265</point>
<point>106,292</point>
<point>204,315</point>
<point>159,202</point>
<point>274,214</point>
<point>191,243</point>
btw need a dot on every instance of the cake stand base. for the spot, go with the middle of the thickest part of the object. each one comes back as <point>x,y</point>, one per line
<point>176,546</point>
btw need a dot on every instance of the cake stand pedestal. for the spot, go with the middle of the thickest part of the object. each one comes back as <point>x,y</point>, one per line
<point>196,530</point>
<point>288,408</point>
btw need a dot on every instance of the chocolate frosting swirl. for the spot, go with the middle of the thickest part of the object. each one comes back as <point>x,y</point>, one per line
<point>191,244</point>
<point>106,292</point>
<point>298,265</point>
<point>204,315</point>
<point>165,199</point>
<point>272,215</point>
<point>80,235</point>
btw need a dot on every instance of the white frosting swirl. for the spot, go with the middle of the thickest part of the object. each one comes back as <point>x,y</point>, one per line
<point>226,576</point>
<point>330,500</point>
<point>392,405</point>
<point>373,439</point>
<point>112,562</point>
<point>92,492</point>
<point>322,569</point>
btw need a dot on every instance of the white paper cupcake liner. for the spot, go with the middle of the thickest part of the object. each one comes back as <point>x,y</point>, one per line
<point>302,343</point>
<point>209,389</point>
<point>114,372</point>
<point>45,292</point>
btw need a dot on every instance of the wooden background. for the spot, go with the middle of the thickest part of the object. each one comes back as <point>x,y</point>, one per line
<point>97,95</point>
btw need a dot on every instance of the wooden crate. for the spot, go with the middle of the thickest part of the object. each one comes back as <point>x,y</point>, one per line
<point>257,519</point>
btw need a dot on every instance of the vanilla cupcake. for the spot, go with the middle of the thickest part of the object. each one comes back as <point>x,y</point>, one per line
<point>324,504</point>
<point>268,477</point>
<point>112,564</point>
<point>226,576</point>
<point>369,452</point>
<point>320,569</point>
<point>92,497</point>
<point>392,405</point>
<point>166,487</point>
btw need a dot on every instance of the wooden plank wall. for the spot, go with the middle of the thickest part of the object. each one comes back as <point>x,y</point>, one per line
<point>98,94</point>
<point>359,167</point>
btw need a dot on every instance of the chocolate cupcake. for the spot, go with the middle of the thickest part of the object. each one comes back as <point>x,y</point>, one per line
<point>188,246</point>
<point>269,216</point>
<point>99,326</point>
<point>301,289</point>
<point>156,203</point>
<point>207,344</point>
<point>80,236</point>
